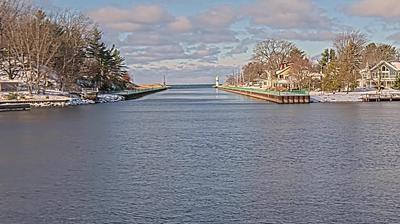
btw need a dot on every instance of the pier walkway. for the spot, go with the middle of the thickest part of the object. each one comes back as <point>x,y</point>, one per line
<point>288,97</point>
<point>381,97</point>
<point>137,93</point>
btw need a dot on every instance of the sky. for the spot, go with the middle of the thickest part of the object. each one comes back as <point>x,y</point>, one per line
<point>192,41</point>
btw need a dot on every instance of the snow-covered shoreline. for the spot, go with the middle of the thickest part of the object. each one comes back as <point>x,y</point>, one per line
<point>318,97</point>
<point>343,97</point>
<point>57,99</point>
<point>101,98</point>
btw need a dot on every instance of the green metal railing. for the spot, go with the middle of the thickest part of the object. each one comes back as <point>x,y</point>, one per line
<point>266,91</point>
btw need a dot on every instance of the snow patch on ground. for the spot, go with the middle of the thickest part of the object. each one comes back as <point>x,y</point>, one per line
<point>343,97</point>
<point>101,98</point>
<point>109,98</point>
<point>79,101</point>
<point>337,97</point>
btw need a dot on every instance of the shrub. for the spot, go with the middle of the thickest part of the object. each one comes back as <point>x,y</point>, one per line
<point>12,96</point>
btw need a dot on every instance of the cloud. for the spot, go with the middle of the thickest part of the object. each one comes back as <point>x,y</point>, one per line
<point>215,18</point>
<point>241,48</point>
<point>154,38</point>
<point>125,26</point>
<point>155,53</point>
<point>384,9</point>
<point>187,73</point>
<point>298,14</point>
<point>131,19</point>
<point>141,14</point>
<point>149,54</point>
<point>293,35</point>
<point>180,24</point>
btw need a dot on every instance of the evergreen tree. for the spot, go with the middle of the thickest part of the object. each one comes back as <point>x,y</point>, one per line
<point>106,66</point>
<point>326,57</point>
<point>397,83</point>
<point>323,62</point>
<point>331,81</point>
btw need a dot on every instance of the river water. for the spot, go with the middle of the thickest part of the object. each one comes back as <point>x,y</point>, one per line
<point>201,156</point>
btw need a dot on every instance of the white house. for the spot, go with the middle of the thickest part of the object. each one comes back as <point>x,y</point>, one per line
<point>383,74</point>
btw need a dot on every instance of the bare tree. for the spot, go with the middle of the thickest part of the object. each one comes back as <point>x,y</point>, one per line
<point>50,50</point>
<point>350,47</point>
<point>273,53</point>
<point>74,29</point>
<point>300,67</point>
<point>253,70</point>
<point>374,53</point>
<point>9,12</point>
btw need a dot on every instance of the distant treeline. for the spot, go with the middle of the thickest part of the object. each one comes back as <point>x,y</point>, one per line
<point>340,65</point>
<point>56,50</point>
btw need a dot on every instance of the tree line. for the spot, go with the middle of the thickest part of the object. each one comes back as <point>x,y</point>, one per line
<point>60,50</point>
<point>340,65</point>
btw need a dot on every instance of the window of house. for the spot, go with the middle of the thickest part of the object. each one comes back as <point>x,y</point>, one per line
<point>385,72</point>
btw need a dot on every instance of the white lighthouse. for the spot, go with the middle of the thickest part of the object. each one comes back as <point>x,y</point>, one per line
<point>216,81</point>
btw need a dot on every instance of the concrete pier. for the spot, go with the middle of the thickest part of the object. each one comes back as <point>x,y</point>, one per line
<point>135,94</point>
<point>271,96</point>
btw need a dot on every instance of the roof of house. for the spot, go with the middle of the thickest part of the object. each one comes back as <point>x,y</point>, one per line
<point>283,70</point>
<point>394,65</point>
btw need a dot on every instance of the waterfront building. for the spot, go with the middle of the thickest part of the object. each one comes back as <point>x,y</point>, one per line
<point>285,77</point>
<point>383,74</point>
<point>10,85</point>
<point>266,83</point>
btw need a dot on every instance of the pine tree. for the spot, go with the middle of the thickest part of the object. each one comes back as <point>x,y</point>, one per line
<point>323,62</point>
<point>106,65</point>
<point>99,59</point>
<point>397,83</point>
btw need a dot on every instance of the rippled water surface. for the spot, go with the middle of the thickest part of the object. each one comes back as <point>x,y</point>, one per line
<point>201,156</point>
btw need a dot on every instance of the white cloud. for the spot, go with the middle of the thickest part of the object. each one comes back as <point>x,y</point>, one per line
<point>384,9</point>
<point>141,14</point>
<point>293,35</point>
<point>296,14</point>
<point>216,18</point>
<point>155,39</point>
<point>180,24</point>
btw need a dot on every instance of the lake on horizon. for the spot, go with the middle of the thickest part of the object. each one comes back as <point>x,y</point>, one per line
<point>200,155</point>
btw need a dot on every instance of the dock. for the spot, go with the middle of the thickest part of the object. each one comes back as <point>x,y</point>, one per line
<point>381,97</point>
<point>138,93</point>
<point>287,97</point>
<point>14,107</point>
<point>34,101</point>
